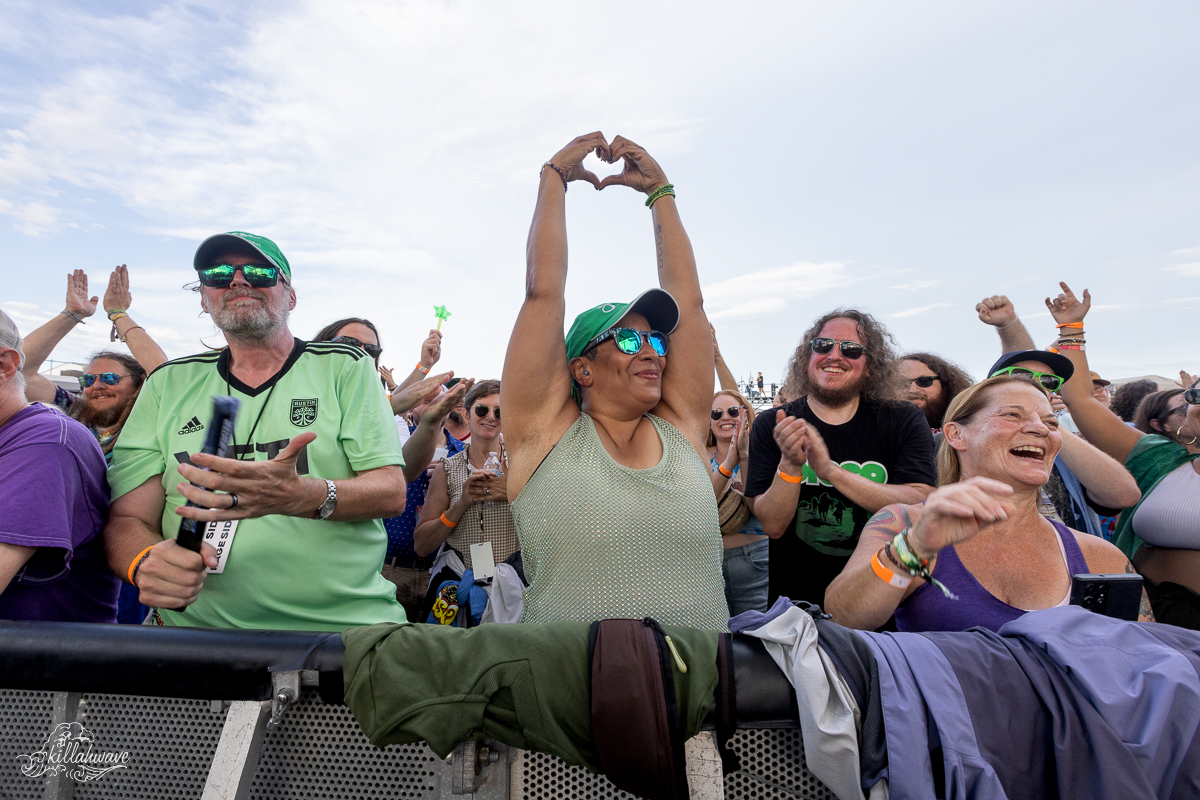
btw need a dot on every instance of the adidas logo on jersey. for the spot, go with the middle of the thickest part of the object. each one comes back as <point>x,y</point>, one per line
<point>194,426</point>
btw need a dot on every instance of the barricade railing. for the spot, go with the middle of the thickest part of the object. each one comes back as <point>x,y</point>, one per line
<point>114,711</point>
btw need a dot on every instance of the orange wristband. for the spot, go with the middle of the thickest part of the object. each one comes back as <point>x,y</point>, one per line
<point>721,469</point>
<point>447,522</point>
<point>790,478</point>
<point>423,369</point>
<point>887,576</point>
<point>1071,325</point>
<point>133,564</point>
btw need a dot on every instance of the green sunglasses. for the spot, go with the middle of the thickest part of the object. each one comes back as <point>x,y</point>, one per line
<point>1048,380</point>
<point>629,340</point>
<point>219,276</point>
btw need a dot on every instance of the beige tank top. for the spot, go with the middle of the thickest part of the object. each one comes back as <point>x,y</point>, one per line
<point>601,540</point>
<point>489,521</point>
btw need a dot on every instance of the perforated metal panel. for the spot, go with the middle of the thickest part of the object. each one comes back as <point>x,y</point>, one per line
<point>319,751</point>
<point>24,725</point>
<point>170,743</point>
<point>539,776</point>
<point>773,766</point>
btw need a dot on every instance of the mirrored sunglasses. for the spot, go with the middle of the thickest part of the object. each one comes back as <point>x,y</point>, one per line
<point>850,350</point>
<point>1191,397</point>
<point>107,378</point>
<point>373,350</point>
<point>1048,380</point>
<point>629,340</point>
<point>219,276</point>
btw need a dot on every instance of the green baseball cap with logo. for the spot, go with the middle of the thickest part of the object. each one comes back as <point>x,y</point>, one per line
<point>241,242</point>
<point>657,306</point>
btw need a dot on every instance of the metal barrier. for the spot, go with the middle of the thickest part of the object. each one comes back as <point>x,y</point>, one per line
<point>156,744</point>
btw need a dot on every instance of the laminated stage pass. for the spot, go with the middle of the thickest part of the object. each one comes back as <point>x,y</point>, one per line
<point>483,563</point>
<point>220,535</point>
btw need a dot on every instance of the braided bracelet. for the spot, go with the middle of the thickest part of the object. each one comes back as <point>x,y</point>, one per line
<point>561,174</point>
<point>662,191</point>
<point>917,567</point>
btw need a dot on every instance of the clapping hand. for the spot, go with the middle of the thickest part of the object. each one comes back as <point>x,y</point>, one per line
<point>78,302</point>
<point>641,171</point>
<point>117,295</point>
<point>1067,308</point>
<point>414,394</point>
<point>996,310</point>
<point>262,487</point>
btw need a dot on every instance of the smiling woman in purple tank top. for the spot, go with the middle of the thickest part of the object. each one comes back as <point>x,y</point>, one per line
<point>977,552</point>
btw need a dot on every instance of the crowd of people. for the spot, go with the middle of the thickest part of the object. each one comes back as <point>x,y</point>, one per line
<point>889,488</point>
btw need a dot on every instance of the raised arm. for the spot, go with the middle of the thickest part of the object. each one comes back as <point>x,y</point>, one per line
<point>117,300</point>
<point>420,447</point>
<point>1106,480</point>
<point>536,381</point>
<point>687,382</point>
<point>1096,422</point>
<point>725,377</point>
<point>998,312</point>
<point>431,353</point>
<point>40,343</point>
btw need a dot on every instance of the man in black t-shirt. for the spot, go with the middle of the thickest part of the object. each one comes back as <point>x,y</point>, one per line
<point>824,463</point>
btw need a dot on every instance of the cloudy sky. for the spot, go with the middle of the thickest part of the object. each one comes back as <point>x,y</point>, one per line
<point>905,158</point>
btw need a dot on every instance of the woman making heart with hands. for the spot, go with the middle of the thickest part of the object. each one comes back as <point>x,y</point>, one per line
<point>606,431</point>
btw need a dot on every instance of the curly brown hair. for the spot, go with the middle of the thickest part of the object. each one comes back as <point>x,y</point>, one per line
<point>952,377</point>
<point>883,375</point>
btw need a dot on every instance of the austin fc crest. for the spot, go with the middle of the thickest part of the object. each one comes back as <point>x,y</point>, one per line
<point>304,412</point>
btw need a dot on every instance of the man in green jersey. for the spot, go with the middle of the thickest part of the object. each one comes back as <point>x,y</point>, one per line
<point>296,513</point>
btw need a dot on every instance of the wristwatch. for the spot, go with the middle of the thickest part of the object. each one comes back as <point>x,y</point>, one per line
<point>330,503</point>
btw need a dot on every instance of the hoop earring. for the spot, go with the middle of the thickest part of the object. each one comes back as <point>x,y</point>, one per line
<point>1186,444</point>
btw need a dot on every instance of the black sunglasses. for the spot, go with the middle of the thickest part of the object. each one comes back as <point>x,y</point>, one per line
<point>733,412</point>
<point>219,276</point>
<point>482,410</point>
<point>925,381</point>
<point>373,350</point>
<point>1191,397</point>
<point>851,350</point>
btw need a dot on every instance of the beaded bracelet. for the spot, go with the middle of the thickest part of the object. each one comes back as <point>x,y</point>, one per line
<point>662,191</point>
<point>561,174</point>
<point>1015,320</point>
<point>917,567</point>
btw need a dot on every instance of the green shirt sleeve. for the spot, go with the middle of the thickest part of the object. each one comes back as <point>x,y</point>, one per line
<point>138,453</point>
<point>368,433</point>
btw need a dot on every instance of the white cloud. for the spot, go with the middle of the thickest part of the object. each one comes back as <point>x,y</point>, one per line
<point>1187,251</point>
<point>1191,270</point>
<point>912,312</point>
<point>770,290</point>
<point>917,285</point>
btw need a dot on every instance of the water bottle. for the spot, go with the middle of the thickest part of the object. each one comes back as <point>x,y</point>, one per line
<point>493,463</point>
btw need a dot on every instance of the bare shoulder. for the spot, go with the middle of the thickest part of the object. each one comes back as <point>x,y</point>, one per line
<point>1101,556</point>
<point>529,448</point>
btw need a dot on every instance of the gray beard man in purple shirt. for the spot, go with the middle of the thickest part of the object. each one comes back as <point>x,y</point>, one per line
<point>53,506</point>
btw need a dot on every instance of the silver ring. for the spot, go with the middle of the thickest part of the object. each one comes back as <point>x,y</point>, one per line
<point>234,498</point>
<point>487,490</point>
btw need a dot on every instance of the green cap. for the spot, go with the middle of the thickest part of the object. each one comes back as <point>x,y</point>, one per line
<point>241,242</point>
<point>656,305</point>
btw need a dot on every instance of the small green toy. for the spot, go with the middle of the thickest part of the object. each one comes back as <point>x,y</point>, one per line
<point>442,314</point>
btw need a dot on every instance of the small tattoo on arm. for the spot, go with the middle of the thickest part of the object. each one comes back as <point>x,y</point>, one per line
<point>1145,612</point>
<point>658,243</point>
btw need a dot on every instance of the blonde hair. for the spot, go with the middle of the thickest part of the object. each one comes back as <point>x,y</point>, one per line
<point>962,409</point>
<point>711,441</point>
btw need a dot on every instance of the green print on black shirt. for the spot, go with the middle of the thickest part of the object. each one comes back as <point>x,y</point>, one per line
<point>825,521</point>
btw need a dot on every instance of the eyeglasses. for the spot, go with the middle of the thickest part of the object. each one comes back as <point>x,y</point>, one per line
<point>733,412</point>
<point>482,410</point>
<point>219,276</point>
<point>925,381</point>
<point>107,378</point>
<point>629,340</point>
<point>373,350</point>
<point>1191,397</point>
<point>851,350</point>
<point>1048,380</point>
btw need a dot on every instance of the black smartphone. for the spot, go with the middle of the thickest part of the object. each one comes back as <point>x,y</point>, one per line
<point>1118,595</point>
<point>452,382</point>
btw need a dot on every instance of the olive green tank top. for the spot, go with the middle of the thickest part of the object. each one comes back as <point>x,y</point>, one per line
<point>601,540</point>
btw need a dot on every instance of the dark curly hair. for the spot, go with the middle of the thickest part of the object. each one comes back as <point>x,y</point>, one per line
<point>1128,396</point>
<point>883,374</point>
<point>952,377</point>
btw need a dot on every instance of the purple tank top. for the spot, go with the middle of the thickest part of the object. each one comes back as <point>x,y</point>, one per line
<point>927,609</point>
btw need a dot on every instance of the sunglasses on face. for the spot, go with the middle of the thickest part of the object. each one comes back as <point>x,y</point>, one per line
<point>1191,397</point>
<point>107,378</point>
<point>629,340</point>
<point>732,411</point>
<point>850,350</point>
<point>1048,380</point>
<point>482,410</point>
<point>1178,410</point>
<point>373,350</point>
<point>925,381</point>
<point>219,276</point>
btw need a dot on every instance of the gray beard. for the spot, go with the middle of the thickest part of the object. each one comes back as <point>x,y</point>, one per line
<point>249,323</point>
